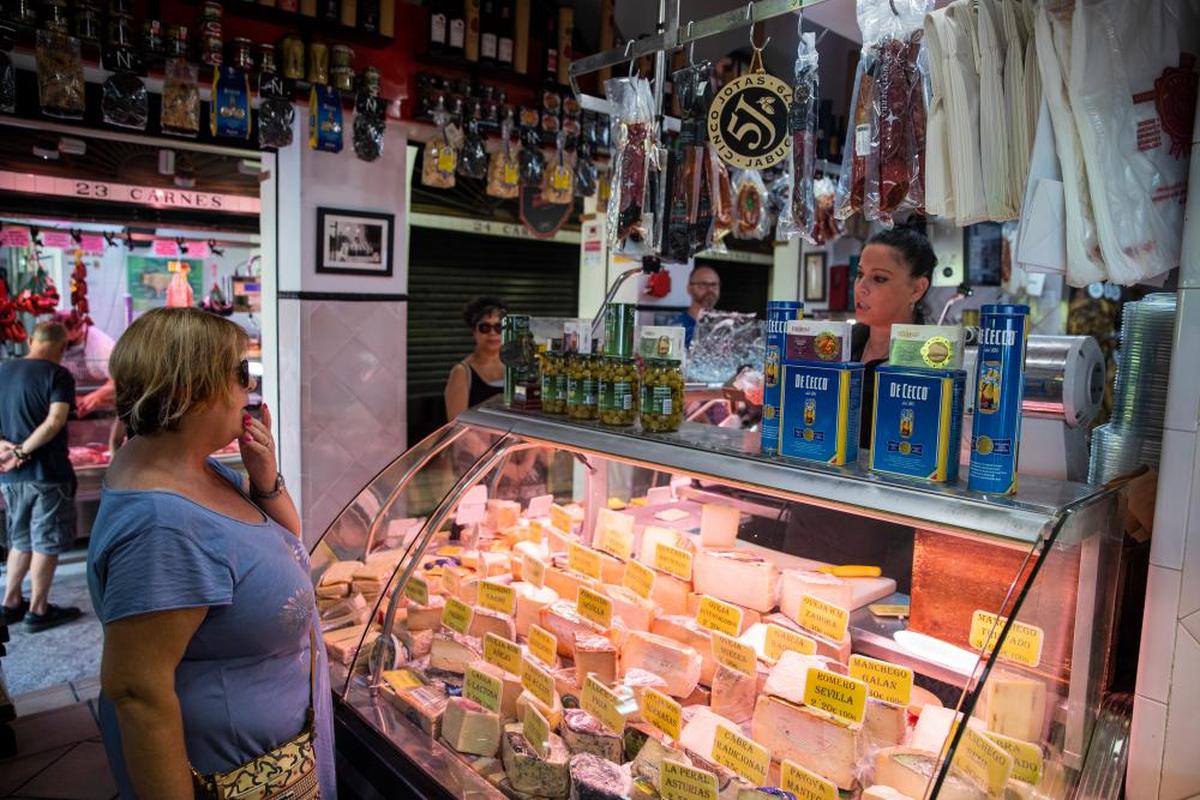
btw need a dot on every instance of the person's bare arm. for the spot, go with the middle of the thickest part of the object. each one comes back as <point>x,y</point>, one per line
<point>257,447</point>
<point>101,398</point>
<point>42,434</point>
<point>458,390</point>
<point>137,675</point>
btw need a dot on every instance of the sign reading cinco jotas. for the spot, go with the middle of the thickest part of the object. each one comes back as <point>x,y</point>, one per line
<point>748,121</point>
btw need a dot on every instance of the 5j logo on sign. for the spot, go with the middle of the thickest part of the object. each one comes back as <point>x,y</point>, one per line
<point>748,121</point>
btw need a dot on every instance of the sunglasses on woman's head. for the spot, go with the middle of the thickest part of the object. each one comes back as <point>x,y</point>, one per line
<point>488,327</point>
<point>246,380</point>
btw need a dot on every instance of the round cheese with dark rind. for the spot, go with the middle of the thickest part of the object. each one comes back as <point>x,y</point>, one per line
<point>596,778</point>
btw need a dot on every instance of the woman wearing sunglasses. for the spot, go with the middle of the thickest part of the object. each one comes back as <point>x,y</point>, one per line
<point>200,577</point>
<point>481,374</point>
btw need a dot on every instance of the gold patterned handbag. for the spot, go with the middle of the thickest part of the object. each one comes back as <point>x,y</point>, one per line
<point>287,772</point>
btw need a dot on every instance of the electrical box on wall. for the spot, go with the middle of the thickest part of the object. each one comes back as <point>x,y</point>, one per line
<point>947,240</point>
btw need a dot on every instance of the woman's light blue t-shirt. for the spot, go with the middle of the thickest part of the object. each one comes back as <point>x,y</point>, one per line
<point>243,683</point>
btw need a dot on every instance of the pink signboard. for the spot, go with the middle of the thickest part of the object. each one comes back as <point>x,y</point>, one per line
<point>14,237</point>
<point>92,244</point>
<point>196,249</point>
<point>166,248</point>
<point>60,239</point>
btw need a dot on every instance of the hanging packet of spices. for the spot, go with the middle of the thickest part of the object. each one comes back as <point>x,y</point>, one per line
<point>559,187</point>
<point>180,114</point>
<point>693,87</point>
<point>124,101</point>
<point>503,180</point>
<point>631,223</point>
<point>61,87</point>
<point>440,160</point>
<point>325,119</point>
<point>229,114</point>
<point>799,212</point>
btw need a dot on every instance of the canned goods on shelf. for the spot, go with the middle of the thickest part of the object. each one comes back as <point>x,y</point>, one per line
<point>292,47</point>
<point>318,64</point>
<point>620,320</point>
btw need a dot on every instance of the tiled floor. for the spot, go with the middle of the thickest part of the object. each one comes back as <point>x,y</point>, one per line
<point>59,754</point>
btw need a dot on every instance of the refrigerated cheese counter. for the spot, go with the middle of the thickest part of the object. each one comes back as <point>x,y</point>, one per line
<point>522,606</point>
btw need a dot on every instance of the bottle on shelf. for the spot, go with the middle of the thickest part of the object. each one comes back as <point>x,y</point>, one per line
<point>521,37</point>
<point>488,39</point>
<point>456,28</point>
<point>550,43</point>
<point>329,11</point>
<point>438,28</point>
<point>504,43</point>
<point>471,30</point>
<point>368,16</point>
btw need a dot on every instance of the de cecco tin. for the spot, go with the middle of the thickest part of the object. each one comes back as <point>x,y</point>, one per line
<point>1000,385</point>
<point>918,422</point>
<point>820,419</point>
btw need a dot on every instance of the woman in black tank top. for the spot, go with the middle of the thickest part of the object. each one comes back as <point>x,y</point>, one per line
<point>481,374</point>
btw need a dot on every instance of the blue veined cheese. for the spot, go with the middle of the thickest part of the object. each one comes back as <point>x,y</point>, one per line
<point>596,778</point>
<point>528,772</point>
<point>583,733</point>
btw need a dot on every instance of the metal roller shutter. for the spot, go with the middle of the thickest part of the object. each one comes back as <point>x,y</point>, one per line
<point>449,268</point>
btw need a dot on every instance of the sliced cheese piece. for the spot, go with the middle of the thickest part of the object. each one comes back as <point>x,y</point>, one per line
<point>484,620</point>
<point>594,778</point>
<point>719,525</point>
<point>340,572</point>
<point>566,582</point>
<point>428,617</point>
<point>510,686</point>
<point>583,733</point>
<point>561,619</point>
<point>1013,705</point>
<point>527,772</point>
<point>786,679</point>
<point>910,771</point>
<point>677,664</point>
<point>813,740</point>
<point>423,706</point>
<point>685,630</point>
<point>635,611</point>
<point>736,577</point>
<point>884,725</point>
<point>670,593</point>
<point>470,728</point>
<point>733,694</point>
<point>566,686</point>
<point>501,514</point>
<point>612,569</point>
<point>702,696</point>
<point>700,730</point>
<point>647,764</point>
<point>933,728</point>
<point>452,652</point>
<point>919,699</point>
<point>530,602</point>
<point>552,715</point>
<point>795,583</point>
<point>881,792</point>
<point>595,654</point>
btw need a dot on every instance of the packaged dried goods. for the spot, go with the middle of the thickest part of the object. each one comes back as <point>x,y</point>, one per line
<point>370,123</point>
<point>752,218</point>
<point>559,187</point>
<point>632,225</point>
<point>325,119</point>
<point>230,113</point>
<point>472,159</point>
<point>124,102</point>
<point>60,75</point>
<point>440,161</point>
<point>684,237</point>
<point>181,99</point>
<point>503,176</point>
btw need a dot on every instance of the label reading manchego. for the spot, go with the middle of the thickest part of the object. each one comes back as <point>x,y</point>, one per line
<point>638,578</point>
<point>1028,760</point>
<point>457,615</point>
<point>543,645</point>
<point>836,694</point>
<point>804,784</point>
<point>779,640</point>
<point>822,618</point>
<point>673,561</point>
<point>504,654</point>
<point>983,761</point>
<point>483,689</point>
<point>585,561</point>
<point>662,712</point>
<point>744,756</point>
<point>417,590</point>
<point>594,607</point>
<point>679,782</point>
<point>1023,645</point>
<point>890,683</point>
<point>717,615</point>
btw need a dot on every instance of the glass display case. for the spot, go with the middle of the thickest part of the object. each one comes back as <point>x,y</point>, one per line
<point>765,621</point>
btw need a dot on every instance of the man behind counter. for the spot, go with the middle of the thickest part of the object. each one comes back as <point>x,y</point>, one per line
<point>704,287</point>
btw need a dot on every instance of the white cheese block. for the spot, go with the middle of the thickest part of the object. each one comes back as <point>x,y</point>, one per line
<point>635,611</point>
<point>510,686</point>
<point>654,535</point>
<point>552,715</point>
<point>530,602</point>
<point>884,724</point>
<point>787,677</point>
<point>470,728</point>
<point>919,699</point>
<point>452,652</point>
<point>1013,705</point>
<point>484,620</point>
<point>733,694</point>
<point>933,728</point>
<point>685,630</point>
<point>561,619</point>
<point>670,593</point>
<point>794,583</point>
<point>813,740</point>
<point>583,733</point>
<point>736,577</point>
<point>910,772</point>
<point>719,525</point>
<point>428,617</point>
<point>700,730</point>
<point>566,582</point>
<point>594,778</point>
<point>677,664</point>
<point>501,514</point>
<point>881,792</point>
<point>527,772</point>
<point>595,654</point>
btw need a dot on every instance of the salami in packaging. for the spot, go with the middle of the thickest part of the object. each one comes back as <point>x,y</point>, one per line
<point>826,226</point>
<point>181,99</point>
<point>632,225</point>
<point>230,116</point>
<point>720,189</point>
<point>473,159</point>
<point>799,212</point>
<point>752,219</point>
<point>693,89</point>
<point>60,75</point>
<point>325,119</point>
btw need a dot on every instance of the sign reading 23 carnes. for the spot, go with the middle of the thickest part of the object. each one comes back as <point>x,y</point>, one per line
<point>748,121</point>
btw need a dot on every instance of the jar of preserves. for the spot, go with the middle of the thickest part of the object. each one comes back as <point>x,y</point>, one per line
<point>292,47</point>
<point>241,54</point>
<point>341,70</point>
<point>581,386</point>
<point>554,379</point>
<point>318,64</point>
<point>662,395</point>
<point>617,385</point>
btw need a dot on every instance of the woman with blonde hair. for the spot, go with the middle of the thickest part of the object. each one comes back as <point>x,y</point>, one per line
<point>209,673</point>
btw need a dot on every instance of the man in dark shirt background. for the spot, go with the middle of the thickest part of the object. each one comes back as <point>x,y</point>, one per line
<point>36,477</point>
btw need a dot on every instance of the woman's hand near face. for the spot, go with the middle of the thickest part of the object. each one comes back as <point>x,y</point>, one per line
<point>257,447</point>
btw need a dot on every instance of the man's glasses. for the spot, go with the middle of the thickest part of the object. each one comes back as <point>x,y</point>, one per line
<point>488,327</point>
<point>247,381</point>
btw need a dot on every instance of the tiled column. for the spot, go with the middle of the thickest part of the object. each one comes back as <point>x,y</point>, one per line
<point>1165,754</point>
<point>343,338</point>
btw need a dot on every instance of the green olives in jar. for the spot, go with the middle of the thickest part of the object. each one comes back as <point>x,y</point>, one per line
<point>581,386</point>
<point>662,395</point>
<point>554,379</point>
<point>618,386</point>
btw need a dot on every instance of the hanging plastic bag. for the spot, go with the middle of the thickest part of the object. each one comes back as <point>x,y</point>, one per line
<point>230,111</point>
<point>124,102</point>
<point>60,75</point>
<point>370,123</point>
<point>181,99</point>
<point>631,224</point>
<point>693,87</point>
<point>721,191</point>
<point>473,158</point>
<point>559,187</point>
<point>531,163</point>
<point>503,179</point>
<point>440,161</point>
<point>325,119</point>
<point>799,212</point>
<point>826,226</point>
<point>586,174</point>
<point>275,112</point>
<point>751,217</point>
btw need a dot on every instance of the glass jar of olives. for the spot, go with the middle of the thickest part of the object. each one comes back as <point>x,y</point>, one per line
<point>554,379</point>
<point>581,386</point>
<point>618,387</point>
<point>662,395</point>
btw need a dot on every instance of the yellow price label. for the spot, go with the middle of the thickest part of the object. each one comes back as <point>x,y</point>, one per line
<point>638,578</point>
<point>498,597</point>
<point>822,618</point>
<point>538,683</point>
<point>537,731</point>
<point>779,640</point>
<point>673,561</point>
<point>447,159</point>
<point>662,712</point>
<point>617,542</point>
<point>731,653</point>
<point>717,615</point>
<point>543,645</point>
<point>561,179</point>
<point>804,784</point>
<point>457,615</point>
<point>890,683</point>
<point>839,695</point>
<point>744,756</point>
<point>680,782</point>
<point>585,561</point>
<point>533,570</point>
<point>1028,759</point>
<point>417,590</point>
<point>561,518</point>
<point>483,689</point>
<point>983,761</point>
<point>600,701</point>
<point>504,654</point>
<point>400,679</point>
<point>509,176</point>
<point>1023,645</point>
<point>594,607</point>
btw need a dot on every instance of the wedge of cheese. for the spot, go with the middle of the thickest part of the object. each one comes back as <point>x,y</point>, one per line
<point>795,583</point>
<point>594,778</point>
<point>719,525</point>
<point>501,514</point>
<point>562,619</point>
<point>635,611</point>
<point>647,764</point>
<point>510,687</point>
<point>470,728</point>
<point>910,771</point>
<point>670,594</point>
<point>595,654</point>
<point>654,535</point>
<point>685,630</point>
<point>417,643</point>
<point>566,685</point>
<point>428,617</point>
<point>452,652</point>
<point>736,577</point>
<point>933,728</point>
<point>700,730</point>
<point>814,740</point>
<point>730,785</point>
<point>484,620</point>
<point>1013,705</point>
<point>884,725</point>
<point>530,602</point>
<point>528,772</point>
<point>566,582</point>
<point>786,679</point>
<point>677,664</point>
<point>583,733</point>
<point>553,714</point>
<point>423,706</point>
<point>733,694</point>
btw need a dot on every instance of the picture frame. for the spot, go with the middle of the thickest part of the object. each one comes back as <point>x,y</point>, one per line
<point>354,242</point>
<point>814,277</point>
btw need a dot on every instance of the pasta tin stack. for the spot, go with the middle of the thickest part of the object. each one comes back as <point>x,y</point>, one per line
<point>821,393</point>
<point>779,314</point>
<point>999,390</point>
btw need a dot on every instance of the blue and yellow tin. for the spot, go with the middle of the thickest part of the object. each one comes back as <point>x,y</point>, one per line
<point>821,410</point>
<point>999,388</point>
<point>918,422</point>
<point>779,314</point>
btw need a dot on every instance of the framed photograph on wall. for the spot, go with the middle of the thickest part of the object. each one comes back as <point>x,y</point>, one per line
<point>814,277</point>
<point>354,242</point>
